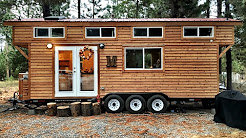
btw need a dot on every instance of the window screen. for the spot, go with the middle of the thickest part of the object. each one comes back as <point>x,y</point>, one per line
<point>93,32</point>
<point>57,32</point>
<point>190,31</point>
<point>140,32</point>
<point>107,32</point>
<point>205,32</point>
<point>41,32</point>
<point>134,58</point>
<point>155,32</point>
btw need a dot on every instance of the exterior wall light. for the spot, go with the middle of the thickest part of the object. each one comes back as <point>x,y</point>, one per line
<point>49,45</point>
<point>101,45</point>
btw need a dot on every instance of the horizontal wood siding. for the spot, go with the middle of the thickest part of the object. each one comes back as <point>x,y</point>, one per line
<point>41,71</point>
<point>189,72</point>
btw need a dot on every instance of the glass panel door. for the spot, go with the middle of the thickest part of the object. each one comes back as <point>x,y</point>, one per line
<point>65,70</point>
<point>87,79</point>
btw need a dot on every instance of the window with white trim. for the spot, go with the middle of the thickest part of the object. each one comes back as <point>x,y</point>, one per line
<point>48,32</point>
<point>201,31</point>
<point>143,58</point>
<point>145,32</point>
<point>100,32</point>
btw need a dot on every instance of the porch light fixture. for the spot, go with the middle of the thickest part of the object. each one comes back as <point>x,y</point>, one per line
<point>101,45</point>
<point>49,45</point>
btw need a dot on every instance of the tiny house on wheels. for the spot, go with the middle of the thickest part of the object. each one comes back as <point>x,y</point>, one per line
<point>137,64</point>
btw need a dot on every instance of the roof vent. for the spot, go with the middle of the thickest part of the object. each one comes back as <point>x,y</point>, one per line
<point>54,17</point>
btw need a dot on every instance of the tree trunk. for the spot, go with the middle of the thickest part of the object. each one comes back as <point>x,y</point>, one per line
<point>93,12</point>
<point>219,8</point>
<point>79,1</point>
<point>52,108</point>
<point>75,109</point>
<point>41,110</point>
<point>63,111</point>
<point>137,7</point>
<point>96,109</point>
<point>227,9</point>
<point>229,70</point>
<point>208,8</point>
<point>86,108</point>
<point>46,9</point>
<point>7,60</point>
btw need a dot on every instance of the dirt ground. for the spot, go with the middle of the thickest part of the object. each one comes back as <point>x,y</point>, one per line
<point>196,122</point>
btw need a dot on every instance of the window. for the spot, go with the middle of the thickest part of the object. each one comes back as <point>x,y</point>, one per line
<point>198,31</point>
<point>49,32</point>
<point>143,32</point>
<point>98,32</point>
<point>143,58</point>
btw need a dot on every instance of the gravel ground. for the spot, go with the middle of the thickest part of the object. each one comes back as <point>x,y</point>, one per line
<point>194,123</point>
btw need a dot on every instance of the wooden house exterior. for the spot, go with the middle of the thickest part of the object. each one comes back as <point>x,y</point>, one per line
<point>172,58</point>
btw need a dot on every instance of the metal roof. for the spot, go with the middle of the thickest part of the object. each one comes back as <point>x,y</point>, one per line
<point>130,20</point>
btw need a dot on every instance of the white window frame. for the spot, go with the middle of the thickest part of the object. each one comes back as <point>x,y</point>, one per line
<point>100,32</point>
<point>49,32</point>
<point>198,31</point>
<point>143,48</point>
<point>133,32</point>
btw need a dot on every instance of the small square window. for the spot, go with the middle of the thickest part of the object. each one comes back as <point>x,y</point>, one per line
<point>205,32</point>
<point>93,32</point>
<point>134,58</point>
<point>108,32</point>
<point>57,32</point>
<point>155,32</point>
<point>190,32</point>
<point>41,32</point>
<point>140,32</point>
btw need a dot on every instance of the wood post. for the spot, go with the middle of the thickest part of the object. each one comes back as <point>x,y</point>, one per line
<point>63,111</point>
<point>229,69</point>
<point>51,109</point>
<point>75,108</point>
<point>86,108</point>
<point>96,108</point>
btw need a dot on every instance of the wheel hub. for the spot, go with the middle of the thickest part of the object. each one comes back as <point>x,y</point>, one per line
<point>157,105</point>
<point>114,104</point>
<point>135,104</point>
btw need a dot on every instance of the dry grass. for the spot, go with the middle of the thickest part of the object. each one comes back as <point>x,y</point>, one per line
<point>7,89</point>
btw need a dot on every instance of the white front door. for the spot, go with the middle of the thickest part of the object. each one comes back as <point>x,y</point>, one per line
<point>76,71</point>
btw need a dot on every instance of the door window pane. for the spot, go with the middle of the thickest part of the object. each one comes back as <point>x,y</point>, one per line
<point>140,32</point>
<point>107,32</point>
<point>134,58</point>
<point>152,58</point>
<point>93,32</point>
<point>155,32</point>
<point>41,32</point>
<point>190,32</point>
<point>205,31</point>
<point>65,71</point>
<point>57,32</point>
<point>87,70</point>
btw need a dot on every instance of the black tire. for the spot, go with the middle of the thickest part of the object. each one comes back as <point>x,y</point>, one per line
<point>134,101</point>
<point>111,104</point>
<point>160,105</point>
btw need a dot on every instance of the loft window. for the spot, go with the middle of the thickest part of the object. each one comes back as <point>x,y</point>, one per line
<point>198,31</point>
<point>143,58</point>
<point>144,32</point>
<point>49,32</point>
<point>98,32</point>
